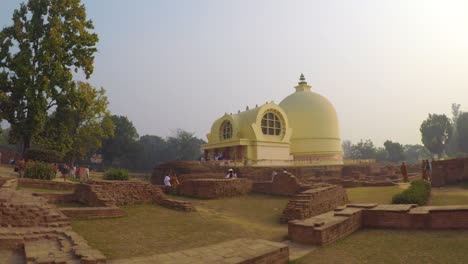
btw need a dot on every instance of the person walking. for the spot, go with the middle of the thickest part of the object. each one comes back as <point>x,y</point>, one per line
<point>404,172</point>
<point>424,170</point>
<point>429,169</point>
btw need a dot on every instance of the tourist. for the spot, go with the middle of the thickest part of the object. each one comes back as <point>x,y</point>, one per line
<point>55,168</point>
<point>64,170</point>
<point>285,171</point>
<point>273,174</point>
<point>167,181</point>
<point>404,172</point>
<point>429,169</point>
<point>234,175</point>
<point>423,170</point>
<point>87,171</point>
<point>21,167</point>
<point>230,174</point>
<point>73,171</point>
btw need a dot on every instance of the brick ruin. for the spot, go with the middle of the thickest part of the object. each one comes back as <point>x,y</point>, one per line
<point>281,184</point>
<point>331,226</point>
<point>449,171</point>
<point>344,175</point>
<point>314,202</point>
<point>35,231</point>
<point>214,188</point>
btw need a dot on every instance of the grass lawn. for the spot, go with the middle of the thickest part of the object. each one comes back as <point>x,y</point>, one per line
<point>449,195</point>
<point>381,195</point>
<point>150,229</point>
<point>394,246</point>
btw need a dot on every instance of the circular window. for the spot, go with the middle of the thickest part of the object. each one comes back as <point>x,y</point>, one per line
<point>226,130</point>
<point>271,124</point>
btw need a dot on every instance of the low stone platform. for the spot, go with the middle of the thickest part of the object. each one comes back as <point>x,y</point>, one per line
<point>214,188</point>
<point>92,212</point>
<point>245,251</point>
<point>314,202</point>
<point>331,226</point>
<point>47,245</point>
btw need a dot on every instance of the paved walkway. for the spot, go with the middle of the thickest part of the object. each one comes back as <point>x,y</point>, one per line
<point>234,251</point>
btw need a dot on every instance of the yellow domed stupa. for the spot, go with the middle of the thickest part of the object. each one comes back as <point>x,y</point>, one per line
<point>302,130</point>
<point>313,119</point>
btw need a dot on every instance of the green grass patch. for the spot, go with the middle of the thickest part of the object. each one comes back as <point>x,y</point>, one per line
<point>394,246</point>
<point>381,195</point>
<point>152,229</point>
<point>418,193</point>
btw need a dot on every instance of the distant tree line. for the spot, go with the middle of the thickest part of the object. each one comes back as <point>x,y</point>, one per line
<point>391,152</point>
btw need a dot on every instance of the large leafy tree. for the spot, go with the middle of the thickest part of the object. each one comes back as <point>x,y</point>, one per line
<point>122,148</point>
<point>363,150</point>
<point>184,146</point>
<point>346,146</point>
<point>153,150</point>
<point>394,150</point>
<point>462,131</point>
<point>48,42</point>
<point>415,153</point>
<point>436,132</point>
<point>79,125</point>
<point>453,145</point>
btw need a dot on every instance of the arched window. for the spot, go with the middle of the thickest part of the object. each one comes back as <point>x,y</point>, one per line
<point>271,124</point>
<point>226,130</point>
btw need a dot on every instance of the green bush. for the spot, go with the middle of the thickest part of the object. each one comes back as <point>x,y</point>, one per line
<point>39,170</point>
<point>44,155</point>
<point>417,193</point>
<point>116,174</point>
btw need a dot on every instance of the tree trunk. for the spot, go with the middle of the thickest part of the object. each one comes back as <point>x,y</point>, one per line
<point>26,144</point>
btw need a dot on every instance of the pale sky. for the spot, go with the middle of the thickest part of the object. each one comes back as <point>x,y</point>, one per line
<point>181,64</point>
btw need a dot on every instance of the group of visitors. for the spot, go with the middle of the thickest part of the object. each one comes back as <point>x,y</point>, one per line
<point>426,170</point>
<point>81,173</point>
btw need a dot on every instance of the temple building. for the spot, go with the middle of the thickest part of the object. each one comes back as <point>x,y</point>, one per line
<point>302,130</point>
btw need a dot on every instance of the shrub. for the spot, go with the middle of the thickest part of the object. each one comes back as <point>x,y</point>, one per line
<point>417,193</point>
<point>44,155</point>
<point>116,174</point>
<point>39,170</point>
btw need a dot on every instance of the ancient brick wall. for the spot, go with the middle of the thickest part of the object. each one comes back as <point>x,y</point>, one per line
<point>314,202</point>
<point>117,193</point>
<point>92,212</point>
<point>214,188</point>
<point>18,209</point>
<point>282,184</point>
<point>449,171</point>
<point>45,184</point>
<point>328,227</point>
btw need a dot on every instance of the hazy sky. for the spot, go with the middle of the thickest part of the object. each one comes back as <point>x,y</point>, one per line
<point>181,64</point>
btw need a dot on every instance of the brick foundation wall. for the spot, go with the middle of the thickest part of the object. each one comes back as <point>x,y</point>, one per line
<point>214,188</point>
<point>449,171</point>
<point>314,202</point>
<point>45,184</point>
<point>57,198</point>
<point>92,212</point>
<point>282,184</point>
<point>19,209</point>
<point>331,226</point>
<point>117,193</point>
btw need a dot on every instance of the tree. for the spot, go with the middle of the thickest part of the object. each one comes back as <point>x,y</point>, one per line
<point>79,125</point>
<point>462,131</point>
<point>453,145</point>
<point>184,146</point>
<point>436,132</point>
<point>415,153</point>
<point>48,42</point>
<point>363,150</point>
<point>346,145</point>
<point>153,151</point>
<point>394,150</point>
<point>122,147</point>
